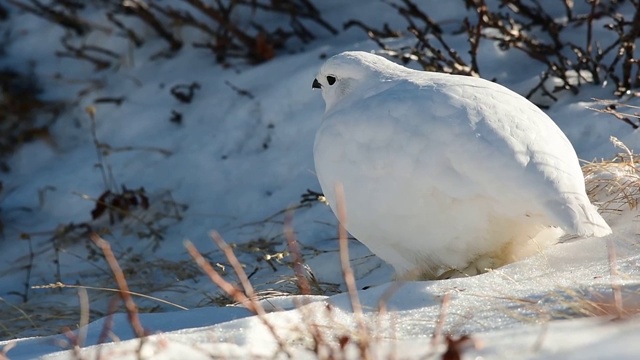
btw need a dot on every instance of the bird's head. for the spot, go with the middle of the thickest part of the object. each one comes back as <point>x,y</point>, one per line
<point>353,72</point>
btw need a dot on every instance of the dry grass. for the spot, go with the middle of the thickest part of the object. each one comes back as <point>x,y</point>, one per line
<point>45,309</point>
<point>614,185</point>
<point>595,304</point>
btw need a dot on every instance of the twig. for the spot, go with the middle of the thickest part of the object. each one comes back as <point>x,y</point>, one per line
<point>27,283</point>
<point>383,311</point>
<point>615,286</point>
<point>6,348</point>
<point>107,148</point>
<point>107,179</point>
<point>144,13</point>
<point>296,256</point>
<point>62,285</point>
<point>250,43</point>
<point>347,273</point>
<point>537,345</point>
<point>387,294</point>
<point>612,109</point>
<point>106,332</point>
<point>130,33</point>
<point>238,269</point>
<point>249,302</point>
<point>241,92</point>
<point>125,293</point>
<point>69,21</point>
<point>73,342</point>
<point>83,299</point>
<point>231,291</point>
<point>444,307</point>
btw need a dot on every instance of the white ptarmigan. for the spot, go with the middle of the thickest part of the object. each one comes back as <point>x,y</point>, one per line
<point>443,174</point>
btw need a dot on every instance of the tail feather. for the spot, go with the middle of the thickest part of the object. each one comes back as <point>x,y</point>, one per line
<point>592,223</point>
<point>577,216</point>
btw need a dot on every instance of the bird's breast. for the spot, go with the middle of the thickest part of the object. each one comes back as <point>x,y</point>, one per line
<point>367,160</point>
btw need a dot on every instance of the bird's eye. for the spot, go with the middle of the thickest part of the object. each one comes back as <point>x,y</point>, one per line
<point>331,79</point>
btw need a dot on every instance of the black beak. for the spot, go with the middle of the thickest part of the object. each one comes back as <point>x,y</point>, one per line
<point>316,84</point>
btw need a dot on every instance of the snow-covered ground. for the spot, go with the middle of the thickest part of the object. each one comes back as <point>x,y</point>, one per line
<point>233,164</point>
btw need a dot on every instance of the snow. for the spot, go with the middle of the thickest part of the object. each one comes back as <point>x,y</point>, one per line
<point>236,162</point>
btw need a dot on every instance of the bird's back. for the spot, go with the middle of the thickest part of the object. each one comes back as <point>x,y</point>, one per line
<point>439,170</point>
<point>498,142</point>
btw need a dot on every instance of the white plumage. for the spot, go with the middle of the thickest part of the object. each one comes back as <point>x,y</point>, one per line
<point>445,174</point>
